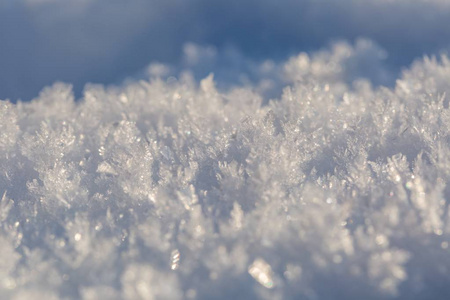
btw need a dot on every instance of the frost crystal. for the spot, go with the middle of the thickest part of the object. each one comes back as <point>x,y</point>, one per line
<point>262,273</point>
<point>177,189</point>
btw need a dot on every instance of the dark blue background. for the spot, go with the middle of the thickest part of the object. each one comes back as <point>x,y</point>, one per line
<point>105,41</point>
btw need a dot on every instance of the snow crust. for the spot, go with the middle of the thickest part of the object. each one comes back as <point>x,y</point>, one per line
<point>170,188</point>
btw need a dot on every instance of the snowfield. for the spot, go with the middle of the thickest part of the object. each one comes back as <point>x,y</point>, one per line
<point>169,188</point>
<point>215,160</point>
<point>104,41</point>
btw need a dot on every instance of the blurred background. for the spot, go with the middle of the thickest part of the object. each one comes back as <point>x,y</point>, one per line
<point>108,41</point>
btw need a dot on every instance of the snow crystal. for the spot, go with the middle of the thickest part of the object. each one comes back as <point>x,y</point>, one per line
<point>175,188</point>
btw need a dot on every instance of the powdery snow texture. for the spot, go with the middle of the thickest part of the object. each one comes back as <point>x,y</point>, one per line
<point>171,189</point>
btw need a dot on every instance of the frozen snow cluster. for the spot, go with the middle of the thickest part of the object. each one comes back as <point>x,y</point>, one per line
<point>169,188</point>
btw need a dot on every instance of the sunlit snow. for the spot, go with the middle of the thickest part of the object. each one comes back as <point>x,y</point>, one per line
<point>322,176</point>
<point>169,189</point>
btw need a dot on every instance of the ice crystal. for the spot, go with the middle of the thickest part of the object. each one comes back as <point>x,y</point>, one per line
<point>172,189</point>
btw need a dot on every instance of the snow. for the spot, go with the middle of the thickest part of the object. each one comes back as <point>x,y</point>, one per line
<point>172,188</point>
<point>105,41</point>
<point>218,174</point>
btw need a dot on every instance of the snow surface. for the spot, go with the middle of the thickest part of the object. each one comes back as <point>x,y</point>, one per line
<point>104,41</point>
<point>316,175</point>
<point>169,188</point>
